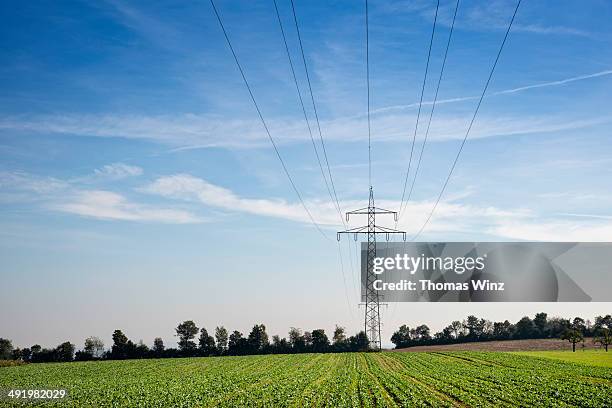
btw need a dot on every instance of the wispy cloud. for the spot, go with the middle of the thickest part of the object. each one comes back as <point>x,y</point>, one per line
<point>116,171</point>
<point>202,131</point>
<point>192,131</point>
<point>452,217</point>
<point>26,182</point>
<point>112,206</point>
<point>481,16</point>
<point>153,29</point>
<point>187,187</point>
<point>495,15</point>
<point>70,197</point>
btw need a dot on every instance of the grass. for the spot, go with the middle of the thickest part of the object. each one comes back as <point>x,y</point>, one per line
<point>599,358</point>
<point>443,379</point>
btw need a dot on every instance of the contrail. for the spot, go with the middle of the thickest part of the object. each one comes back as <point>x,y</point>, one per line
<point>555,83</point>
<point>503,92</point>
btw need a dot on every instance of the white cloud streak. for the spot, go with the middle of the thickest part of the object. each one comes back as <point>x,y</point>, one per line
<point>502,92</point>
<point>108,205</point>
<point>451,217</point>
<point>68,197</point>
<point>191,131</point>
<point>116,171</point>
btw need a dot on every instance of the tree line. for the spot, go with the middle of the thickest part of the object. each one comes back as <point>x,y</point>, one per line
<point>474,329</point>
<point>193,342</point>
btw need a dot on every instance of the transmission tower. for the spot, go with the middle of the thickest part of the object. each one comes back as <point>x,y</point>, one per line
<point>372,299</point>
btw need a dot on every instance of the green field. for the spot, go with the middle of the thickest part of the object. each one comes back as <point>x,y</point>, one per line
<point>335,380</point>
<point>590,357</point>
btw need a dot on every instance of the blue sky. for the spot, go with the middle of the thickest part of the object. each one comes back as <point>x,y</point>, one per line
<point>138,188</point>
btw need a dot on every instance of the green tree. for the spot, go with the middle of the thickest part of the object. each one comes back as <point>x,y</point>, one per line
<point>422,333</point>
<point>604,338</point>
<point>540,321</point>
<point>16,354</point>
<point>186,332</point>
<point>474,326</point>
<point>206,343</point>
<point>602,322</point>
<point>237,344</point>
<point>320,342</point>
<point>296,340</point>
<point>524,328</point>
<point>307,339</point>
<point>573,336</point>
<point>158,346</point>
<point>339,335</point>
<point>119,349</point>
<point>502,330</point>
<point>6,347</point>
<point>140,350</point>
<point>279,345</point>
<point>65,352</point>
<point>401,338</point>
<point>360,342</point>
<point>258,339</point>
<point>444,336</point>
<point>221,338</point>
<point>557,326</point>
<point>579,324</point>
<point>26,354</point>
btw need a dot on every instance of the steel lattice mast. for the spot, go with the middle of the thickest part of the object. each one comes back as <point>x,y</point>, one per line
<point>372,300</point>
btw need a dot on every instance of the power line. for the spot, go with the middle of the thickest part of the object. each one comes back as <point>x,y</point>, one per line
<point>316,115</point>
<point>416,126</point>
<point>280,158</point>
<point>433,106</point>
<point>429,123</point>
<point>368,87</point>
<point>299,93</point>
<point>467,133</point>
<point>348,303</point>
<point>314,145</point>
<point>314,108</point>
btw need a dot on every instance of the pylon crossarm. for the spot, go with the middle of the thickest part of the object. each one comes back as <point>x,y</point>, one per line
<point>356,230</point>
<point>370,211</point>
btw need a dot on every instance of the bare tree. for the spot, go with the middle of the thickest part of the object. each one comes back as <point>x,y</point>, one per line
<point>94,347</point>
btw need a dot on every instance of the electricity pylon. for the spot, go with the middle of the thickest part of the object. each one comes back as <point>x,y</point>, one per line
<point>372,300</point>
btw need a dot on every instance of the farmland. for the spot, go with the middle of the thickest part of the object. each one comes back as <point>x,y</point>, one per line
<point>592,357</point>
<point>349,380</point>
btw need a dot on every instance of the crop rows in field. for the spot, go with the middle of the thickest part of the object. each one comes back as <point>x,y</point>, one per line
<point>312,380</point>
